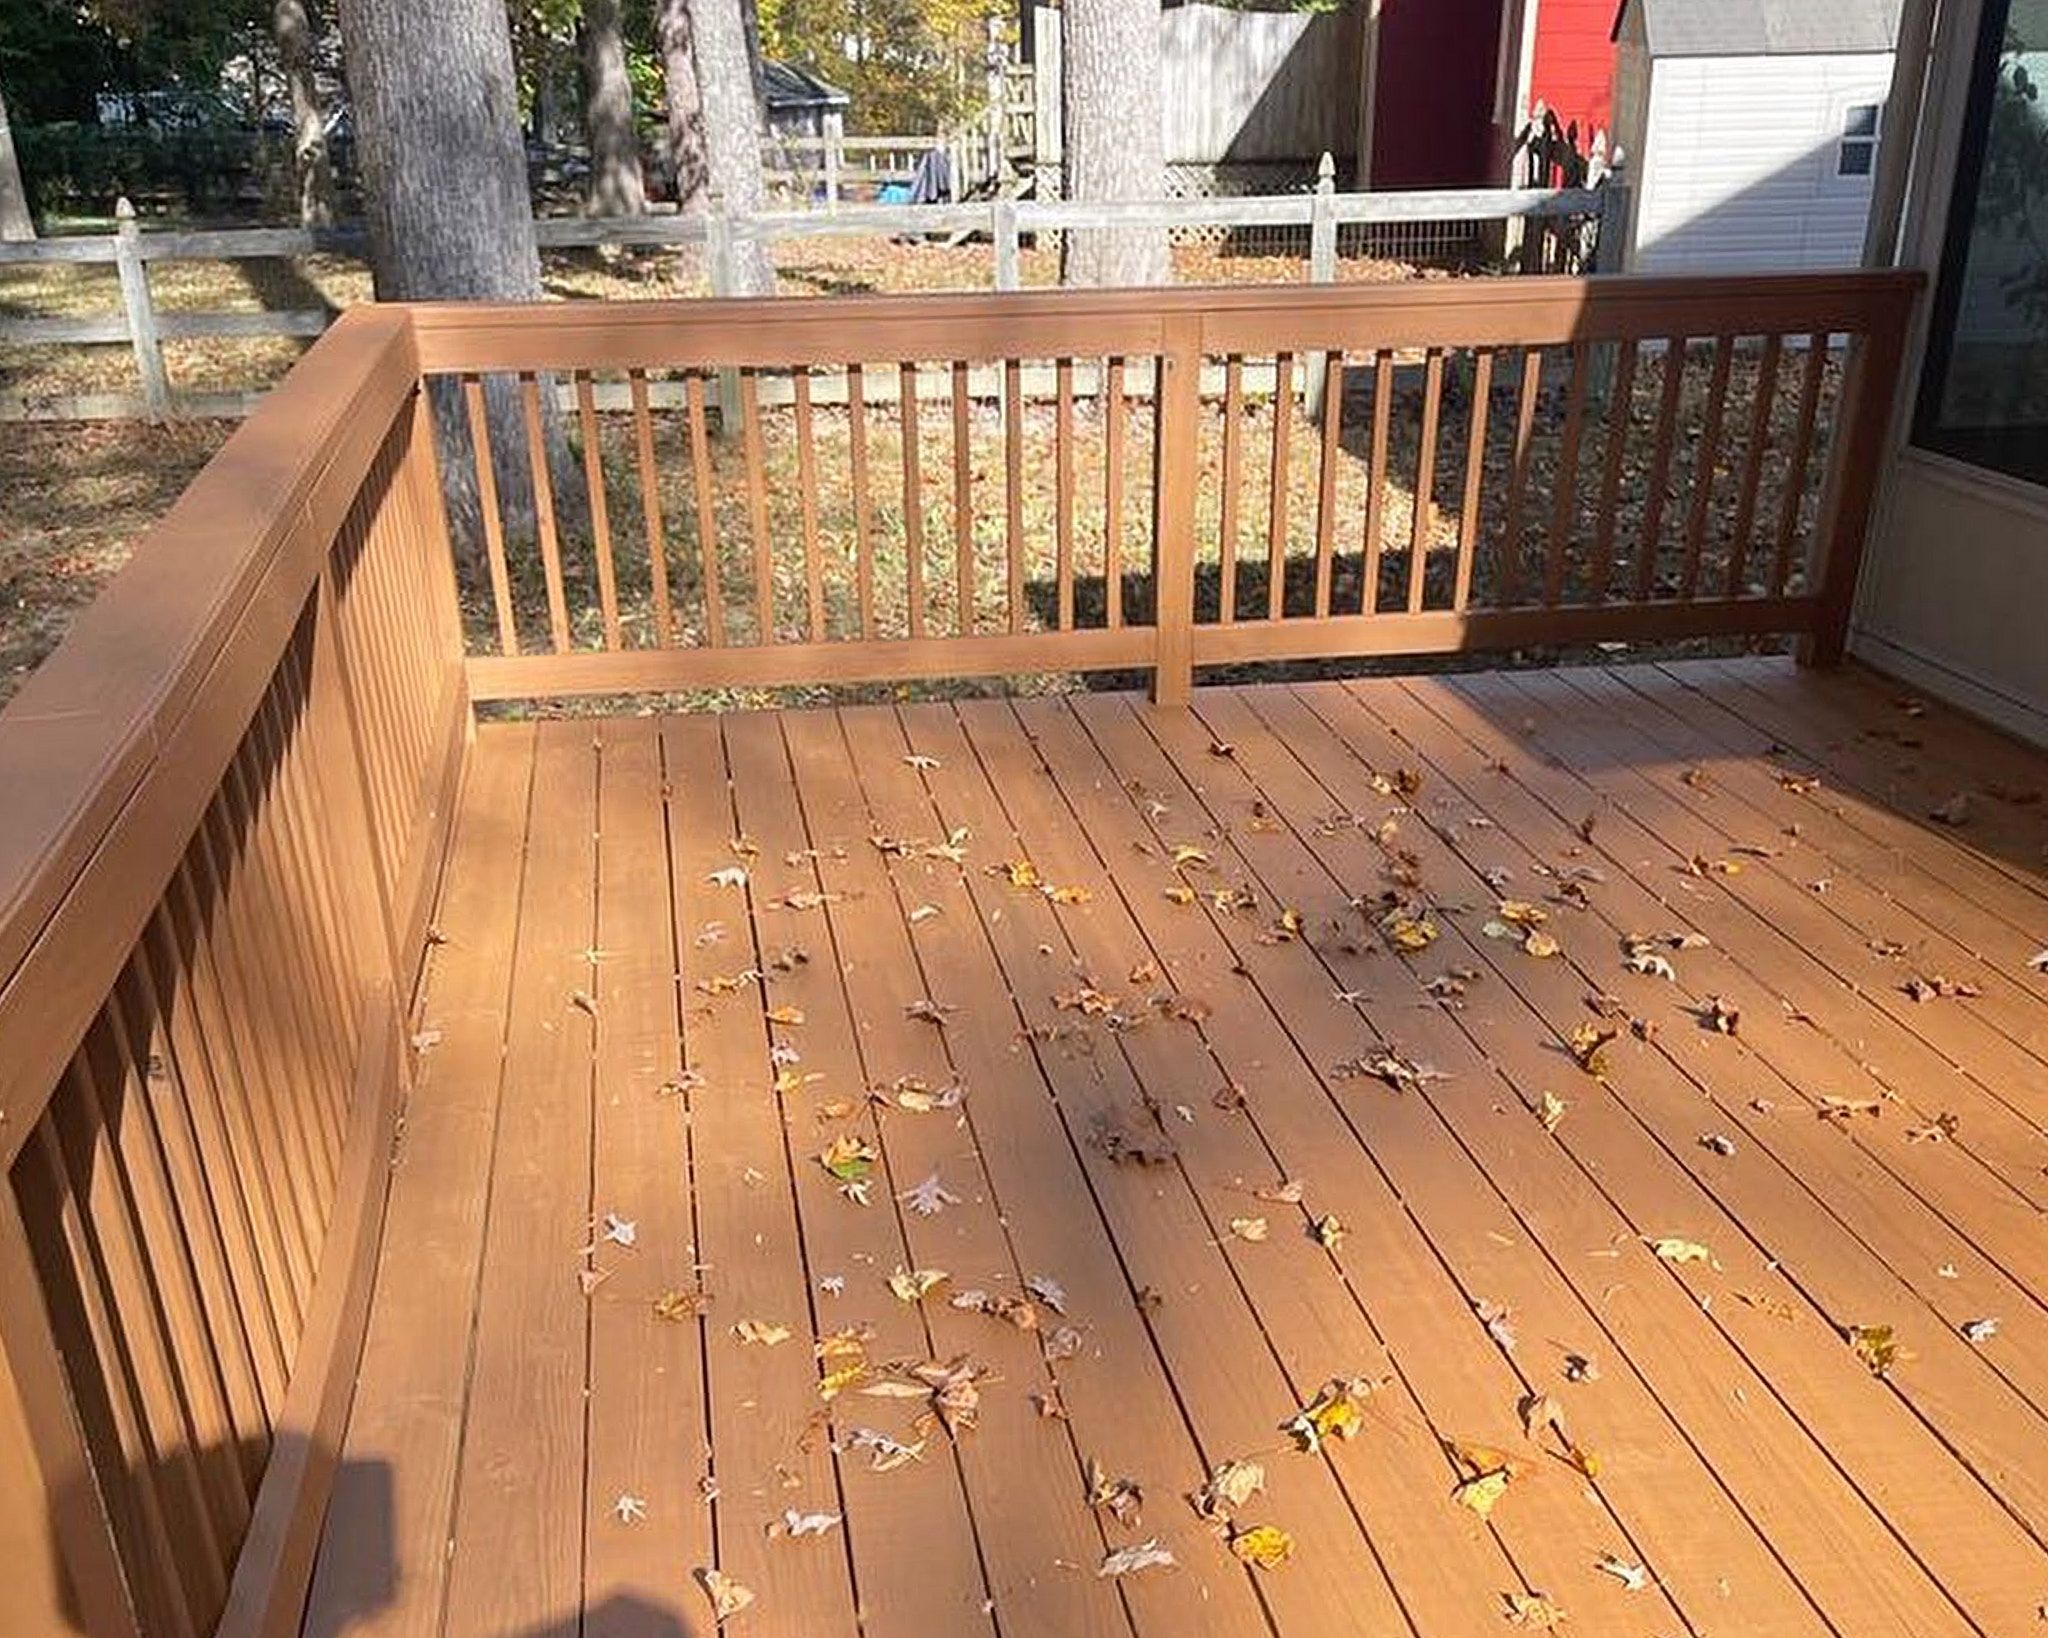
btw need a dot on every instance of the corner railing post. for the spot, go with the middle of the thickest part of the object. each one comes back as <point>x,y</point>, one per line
<point>1175,478</point>
<point>1869,383</point>
<point>140,312</point>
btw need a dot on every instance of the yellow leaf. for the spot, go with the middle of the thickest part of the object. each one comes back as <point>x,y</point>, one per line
<point>1265,1545</point>
<point>911,1284</point>
<point>844,1359</point>
<point>1481,1493</point>
<point>727,1596</point>
<point>1180,893</point>
<point>1540,943</point>
<point>1681,1251</point>
<point>765,1332</point>
<point>785,1014</point>
<point>1523,913</point>
<point>1336,1412</point>
<point>1534,1611</point>
<point>1329,1231</point>
<point>1877,1346</point>
<point>1552,1111</point>
<point>1407,932</point>
<point>1248,1228</point>
<point>1187,854</point>
<point>1582,1459</point>
<point>848,1158</point>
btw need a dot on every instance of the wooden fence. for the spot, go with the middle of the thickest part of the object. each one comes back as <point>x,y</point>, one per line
<point>229,788</point>
<point>144,327</point>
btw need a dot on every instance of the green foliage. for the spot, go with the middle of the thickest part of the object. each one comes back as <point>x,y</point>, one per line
<point>911,66</point>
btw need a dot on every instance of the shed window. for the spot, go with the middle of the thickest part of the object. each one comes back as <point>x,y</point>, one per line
<point>1857,155</point>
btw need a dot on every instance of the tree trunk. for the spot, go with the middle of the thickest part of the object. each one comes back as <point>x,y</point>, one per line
<point>675,32</point>
<point>732,135</point>
<point>15,221</point>
<point>615,186</point>
<point>446,203</point>
<point>1114,149</point>
<point>293,28</point>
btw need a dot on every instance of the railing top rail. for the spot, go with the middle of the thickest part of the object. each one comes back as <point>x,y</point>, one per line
<point>116,743</point>
<point>1054,323</point>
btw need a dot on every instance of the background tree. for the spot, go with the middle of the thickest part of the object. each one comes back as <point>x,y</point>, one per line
<point>732,132</point>
<point>675,36</point>
<point>292,25</point>
<point>443,178</point>
<point>909,65</point>
<point>15,220</point>
<point>1113,141</point>
<point>615,183</point>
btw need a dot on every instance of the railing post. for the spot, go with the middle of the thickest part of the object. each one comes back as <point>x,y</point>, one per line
<point>835,136</point>
<point>1178,388</point>
<point>1610,243</point>
<point>1869,383</point>
<point>1003,228</point>
<point>1322,269</point>
<point>141,314</point>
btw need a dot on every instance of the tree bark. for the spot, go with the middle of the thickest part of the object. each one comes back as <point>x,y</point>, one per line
<point>675,32</point>
<point>732,135</point>
<point>615,184</point>
<point>15,221</point>
<point>446,203</point>
<point>1114,147</point>
<point>292,26</point>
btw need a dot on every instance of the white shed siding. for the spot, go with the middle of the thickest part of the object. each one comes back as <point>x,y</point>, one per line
<point>1737,168</point>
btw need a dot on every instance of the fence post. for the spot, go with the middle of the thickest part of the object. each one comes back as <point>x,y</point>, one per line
<point>1610,243</point>
<point>1178,388</point>
<point>1003,226</point>
<point>1322,269</point>
<point>835,136</point>
<point>141,315</point>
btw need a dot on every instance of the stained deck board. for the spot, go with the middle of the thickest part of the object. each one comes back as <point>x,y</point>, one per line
<point>1766,1480</point>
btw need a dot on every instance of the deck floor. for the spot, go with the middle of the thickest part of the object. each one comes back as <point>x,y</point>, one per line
<point>1228,1146</point>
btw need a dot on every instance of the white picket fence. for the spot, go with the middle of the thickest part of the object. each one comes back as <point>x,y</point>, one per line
<point>143,327</point>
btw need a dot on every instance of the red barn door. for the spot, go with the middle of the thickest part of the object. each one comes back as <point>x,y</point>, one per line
<point>1433,99</point>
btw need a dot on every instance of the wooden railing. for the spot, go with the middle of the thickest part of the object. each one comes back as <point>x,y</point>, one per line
<point>228,792</point>
<point>226,798</point>
<point>986,485</point>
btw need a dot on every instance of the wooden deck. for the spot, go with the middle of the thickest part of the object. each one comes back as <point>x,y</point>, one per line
<point>1145,1054</point>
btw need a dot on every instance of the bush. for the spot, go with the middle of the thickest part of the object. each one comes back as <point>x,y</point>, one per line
<point>76,168</point>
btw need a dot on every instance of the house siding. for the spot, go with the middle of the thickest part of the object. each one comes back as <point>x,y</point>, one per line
<point>1737,164</point>
<point>1574,63</point>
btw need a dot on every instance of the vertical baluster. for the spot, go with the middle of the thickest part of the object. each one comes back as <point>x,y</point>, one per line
<point>1469,516</point>
<point>1113,493</point>
<point>757,506</point>
<point>544,512</point>
<point>1802,453</point>
<point>1326,478</point>
<point>1518,478</point>
<point>1765,393</point>
<point>913,497</point>
<point>487,507</point>
<point>963,501</point>
<point>863,506</point>
<point>1703,470</point>
<point>1565,481</point>
<point>1233,474</point>
<point>1370,544</point>
<point>1660,466</point>
<point>600,514</point>
<point>650,511</point>
<point>707,513</point>
<point>1276,501</point>
<point>1425,477</point>
<point>1013,483</point>
<point>1620,413</point>
<point>1063,488</point>
<point>807,503</point>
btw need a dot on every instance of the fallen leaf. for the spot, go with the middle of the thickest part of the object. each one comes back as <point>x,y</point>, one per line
<point>1005,1306</point>
<point>912,1284</point>
<point>1717,1142</point>
<point>765,1332</point>
<point>955,1389</point>
<point>730,876</point>
<point>1336,1412</point>
<point>1499,1323</point>
<point>1048,1291</point>
<point>1979,1330</point>
<point>1408,933</point>
<point>1876,1345</point>
<point>1938,987</point>
<point>921,762</point>
<point>1540,944</point>
<point>1955,811</point>
<point>1328,1231</point>
<point>927,1011</point>
<point>679,1306</point>
<point>1843,1110</point>
<point>1717,1015</point>
<point>619,1231</point>
<point>1147,1555</point>
<point>1551,1111</point>
<point>1632,1576</point>
<point>849,1157</point>
<point>1119,1497</point>
<point>1265,1546</point>
<point>1939,1130</point>
<point>885,1454</point>
<point>1534,1611</point>
<point>629,1509</point>
<point>1588,1042</point>
<point>727,1596</point>
<point>1285,1194</point>
<point>1402,1074</point>
<point>795,1525</point>
<point>1681,1251</point>
<point>843,1358</point>
<point>1230,1486</point>
<point>930,1197</point>
<point>1249,1228</point>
